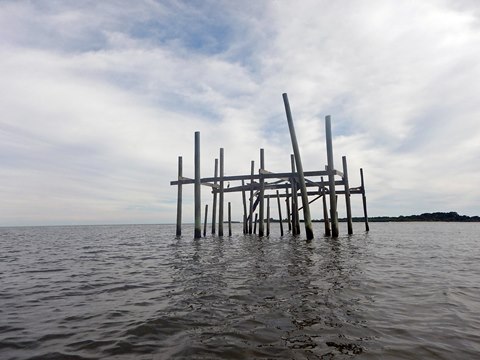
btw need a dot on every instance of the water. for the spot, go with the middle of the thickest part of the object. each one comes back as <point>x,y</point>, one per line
<point>403,291</point>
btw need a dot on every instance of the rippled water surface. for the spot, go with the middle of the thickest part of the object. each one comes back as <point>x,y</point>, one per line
<point>402,291</point>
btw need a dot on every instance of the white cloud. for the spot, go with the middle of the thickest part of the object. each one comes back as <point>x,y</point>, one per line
<point>99,99</point>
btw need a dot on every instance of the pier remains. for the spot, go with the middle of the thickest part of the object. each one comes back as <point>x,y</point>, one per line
<point>260,187</point>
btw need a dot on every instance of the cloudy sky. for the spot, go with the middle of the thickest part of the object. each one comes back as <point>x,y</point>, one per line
<point>99,98</point>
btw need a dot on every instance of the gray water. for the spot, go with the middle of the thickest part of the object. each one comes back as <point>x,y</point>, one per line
<point>402,291</point>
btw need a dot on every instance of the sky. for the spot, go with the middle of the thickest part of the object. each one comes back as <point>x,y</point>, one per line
<point>99,98</point>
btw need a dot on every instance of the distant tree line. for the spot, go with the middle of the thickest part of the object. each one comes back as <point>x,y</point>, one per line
<point>436,216</point>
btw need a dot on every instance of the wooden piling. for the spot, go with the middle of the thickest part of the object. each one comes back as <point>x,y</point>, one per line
<point>198,210</point>
<point>255,224</point>
<point>244,199</point>
<point>287,201</point>
<point>205,221</point>
<point>220,205</point>
<point>331,177</point>
<point>215,192</point>
<point>262,193</point>
<point>364,200</point>
<point>298,161</point>
<point>295,217</point>
<point>268,216</point>
<point>229,218</point>
<point>347,196</point>
<point>280,213</point>
<point>325,210</point>
<point>252,173</point>
<point>179,197</point>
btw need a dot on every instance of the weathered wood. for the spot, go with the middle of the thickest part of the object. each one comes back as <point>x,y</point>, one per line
<point>252,174</point>
<point>205,221</point>
<point>315,193</point>
<point>255,223</point>
<point>179,197</point>
<point>197,199</point>
<point>364,200</point>
<point>295,221</point>
<point>221,200</point>
<point>186,181</point>
<point>229,218</point>
<point>273,186</point>
<point>280,214</point>
<point>261,214</point>
<point>347,196</point>
<point>331,177</point>
<point>268,217</point>
<point>325,211</point>
<point>214,209</point>
<point>298,161</point>
<point>287,201</point>
<point>244,199</point>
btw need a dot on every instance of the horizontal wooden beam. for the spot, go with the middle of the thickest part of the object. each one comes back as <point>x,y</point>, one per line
<point>286,175</point>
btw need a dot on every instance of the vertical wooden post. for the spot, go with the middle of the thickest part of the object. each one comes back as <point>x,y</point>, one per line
<point>244,199</point>
<point>220,205</point>
<point>295,220</point>
<point>325,210</point>
<point>215,192</point>
<point>331,177</point>
<point>347,196</point>
<point>298,161</point>
<point>229,218</point>
<point>268,216</point>
<point>179,196</point>
<point>280,213</point>
<point>287,201</point>
<point>364,199</point>
<point>255,224</point>
<point>262,193</point>
<point>205,221</point>
<point>198,210</point>
<point>250,222</point>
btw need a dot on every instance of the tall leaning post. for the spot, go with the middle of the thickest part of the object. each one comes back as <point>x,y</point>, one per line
<point>179,196</point>
<point>215,192</point>
<point>364,200</point>
<point>347,196</point>
<point>197,201</point>
<point>306,207</point>
<point>331,177</point>
<point>220,205</point>
<point>261,211</point>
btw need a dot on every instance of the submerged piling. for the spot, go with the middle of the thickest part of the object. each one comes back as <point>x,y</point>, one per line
<point>331,177</point>
<point>220,209</point>
<point>280,213</point>
<point>250,221</point>
<point>229,218</point>
<point>298,161</point>
<point>214,207</point>
<point>205,221</point>
<point>261,210</point>
<point>325,210</point>
<point>347,196</point>
<point>198,210</point>
<point>364,200</point>
<point>179,197</point>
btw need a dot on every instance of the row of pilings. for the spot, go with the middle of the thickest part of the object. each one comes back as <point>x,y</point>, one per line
<point>293,182</point>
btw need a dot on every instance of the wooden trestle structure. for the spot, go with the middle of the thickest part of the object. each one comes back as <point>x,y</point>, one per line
<point>265,185</point>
